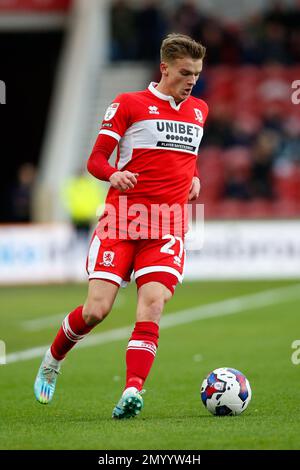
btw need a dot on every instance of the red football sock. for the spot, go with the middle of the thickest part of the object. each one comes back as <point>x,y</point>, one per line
<point>140,353</point>
<point>72,330</point>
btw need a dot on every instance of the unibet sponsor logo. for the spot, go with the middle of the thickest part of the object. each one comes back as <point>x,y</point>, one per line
<point>179,135</point>
<point>178,128</point>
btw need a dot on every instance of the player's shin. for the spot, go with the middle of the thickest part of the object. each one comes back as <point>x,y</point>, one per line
<point>72,330</point>
<point>141,353</point>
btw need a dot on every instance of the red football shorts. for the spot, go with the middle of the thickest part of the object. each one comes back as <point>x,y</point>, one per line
<point>149,260</point>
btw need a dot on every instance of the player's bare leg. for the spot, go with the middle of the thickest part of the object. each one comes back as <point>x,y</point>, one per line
<point>75,327</point>
<point>99,302</point>
<point>142,347</point>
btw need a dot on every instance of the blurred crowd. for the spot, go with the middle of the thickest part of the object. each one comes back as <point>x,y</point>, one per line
<point>20,193</point>
<point>250,153</point>
<point>271,35</point>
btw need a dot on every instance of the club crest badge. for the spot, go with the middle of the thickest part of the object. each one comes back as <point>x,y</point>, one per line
<point>108,257</point>
<point>198,115</point>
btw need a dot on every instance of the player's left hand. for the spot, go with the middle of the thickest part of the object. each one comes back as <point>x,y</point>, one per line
<point>194,189</point>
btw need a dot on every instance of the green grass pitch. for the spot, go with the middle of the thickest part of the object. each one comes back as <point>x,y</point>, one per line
<point>256,340</point>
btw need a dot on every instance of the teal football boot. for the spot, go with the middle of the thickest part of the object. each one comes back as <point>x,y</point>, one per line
<point>130,404</point>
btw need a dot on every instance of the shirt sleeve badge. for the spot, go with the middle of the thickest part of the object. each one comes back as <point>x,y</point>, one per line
<point>111,111</point>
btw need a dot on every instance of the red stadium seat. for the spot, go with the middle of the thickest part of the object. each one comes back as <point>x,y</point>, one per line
<point>287,184</point>
<point>211,174</point>
<point>259,209</point>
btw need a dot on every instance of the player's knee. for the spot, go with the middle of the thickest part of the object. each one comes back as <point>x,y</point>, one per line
<point>151,310</point>
<point>156,308</point>
<point>95,312</point>
<point>157,301</point>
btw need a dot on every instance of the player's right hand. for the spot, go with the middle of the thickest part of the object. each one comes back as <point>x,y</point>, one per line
<point>123,180</point>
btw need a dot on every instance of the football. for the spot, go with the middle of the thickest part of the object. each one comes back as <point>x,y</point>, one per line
<point>226,391</point>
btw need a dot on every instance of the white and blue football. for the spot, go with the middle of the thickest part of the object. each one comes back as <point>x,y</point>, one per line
<point>226,391</point>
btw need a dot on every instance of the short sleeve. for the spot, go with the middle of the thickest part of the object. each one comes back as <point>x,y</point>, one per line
<point>117,118</point>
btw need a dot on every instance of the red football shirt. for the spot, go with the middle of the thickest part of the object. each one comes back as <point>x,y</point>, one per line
<point>159,140</point>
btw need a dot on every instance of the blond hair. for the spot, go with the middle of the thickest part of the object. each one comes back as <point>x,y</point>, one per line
<point>177,46</point>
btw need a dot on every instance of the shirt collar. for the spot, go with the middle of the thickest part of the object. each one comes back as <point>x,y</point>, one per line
<point>162,96</point>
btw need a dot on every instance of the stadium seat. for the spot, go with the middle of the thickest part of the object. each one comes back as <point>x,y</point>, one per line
<point>259,209</point>
<point>212,174</point>
<point>287,184</point>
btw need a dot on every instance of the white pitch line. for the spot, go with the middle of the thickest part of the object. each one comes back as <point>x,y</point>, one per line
<point>39,324</point>
<point>216,309</point>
